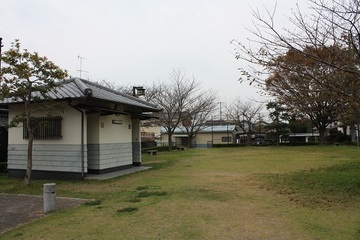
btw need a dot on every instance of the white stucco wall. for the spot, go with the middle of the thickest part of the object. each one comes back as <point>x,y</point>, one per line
<point>106,145</point>
<point>53,155</point>
<point>71,126</point>
<point>93,130</point>
<point>110,145</point>
<point>115,133</point>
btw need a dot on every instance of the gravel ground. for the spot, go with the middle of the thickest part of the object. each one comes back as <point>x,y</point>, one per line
<point>16,210</point>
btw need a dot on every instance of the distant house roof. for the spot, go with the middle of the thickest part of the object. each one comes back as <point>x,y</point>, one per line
<point>206,129</point>
<point>219,128</point>
<point>76,88</point>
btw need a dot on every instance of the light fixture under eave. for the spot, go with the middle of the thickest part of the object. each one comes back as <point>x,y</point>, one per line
<point>138,91</point>
<point>115,121</point>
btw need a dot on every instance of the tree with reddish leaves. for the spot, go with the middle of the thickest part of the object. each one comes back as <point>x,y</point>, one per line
<point>331,27</point>
<point>301,84</point>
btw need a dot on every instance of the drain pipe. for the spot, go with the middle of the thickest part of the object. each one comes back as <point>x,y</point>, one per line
<point>82,142</point>
<point>82,146</point>
<point>87,93</point>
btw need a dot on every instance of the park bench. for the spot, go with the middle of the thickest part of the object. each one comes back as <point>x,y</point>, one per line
<point>151,152</point>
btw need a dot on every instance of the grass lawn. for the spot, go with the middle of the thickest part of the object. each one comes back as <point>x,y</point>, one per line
<point>244,193</point>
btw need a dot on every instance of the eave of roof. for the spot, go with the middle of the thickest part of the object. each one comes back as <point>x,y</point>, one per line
<point>77,88</point>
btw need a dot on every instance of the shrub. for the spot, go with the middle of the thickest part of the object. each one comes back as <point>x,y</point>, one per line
<point>227,145</point>
<point>159,148</point>
<point>300,144</point>
<point>3,167</point>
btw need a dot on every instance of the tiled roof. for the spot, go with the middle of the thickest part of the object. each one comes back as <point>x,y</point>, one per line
<point>79,88</point>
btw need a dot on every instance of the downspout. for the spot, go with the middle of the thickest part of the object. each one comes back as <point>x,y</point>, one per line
<point>82,146</point>
<point>87,92</point>
<point>82,142</point>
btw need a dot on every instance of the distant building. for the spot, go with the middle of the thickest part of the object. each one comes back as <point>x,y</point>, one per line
<point>217,134</point>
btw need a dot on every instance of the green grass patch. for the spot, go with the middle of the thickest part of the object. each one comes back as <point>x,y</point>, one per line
<point>141,188</point>
<point>334,185</point>
<point>128,210</point>
<point>145,194</point>
<point>93,202</point>
<point>134,200</point>
<point>307,192</point>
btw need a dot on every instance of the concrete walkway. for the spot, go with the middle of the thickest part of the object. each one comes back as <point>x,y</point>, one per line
<point>117,173</point>
<point>20,209</point>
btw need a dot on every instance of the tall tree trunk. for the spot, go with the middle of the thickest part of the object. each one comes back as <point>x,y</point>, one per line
<point>322,136</point>
<point>248,140</point>
<point>29,150</point>
<point>169,140</point>
<point>190,140</point>
<point>29,160</point>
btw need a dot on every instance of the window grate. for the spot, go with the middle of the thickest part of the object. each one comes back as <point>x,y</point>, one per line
<point>226,139</point>
<point>45,128</point>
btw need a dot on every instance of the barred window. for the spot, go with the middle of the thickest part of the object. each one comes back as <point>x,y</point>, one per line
<point>45,128</point>
<point>226,139</point>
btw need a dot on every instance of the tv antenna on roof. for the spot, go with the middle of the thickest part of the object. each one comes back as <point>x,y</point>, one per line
<point>80,70</point>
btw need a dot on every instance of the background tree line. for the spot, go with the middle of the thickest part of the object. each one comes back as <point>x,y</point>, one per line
<point>311,67</point>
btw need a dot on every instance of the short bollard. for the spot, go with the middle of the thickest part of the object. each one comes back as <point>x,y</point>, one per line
<point>49,197</point>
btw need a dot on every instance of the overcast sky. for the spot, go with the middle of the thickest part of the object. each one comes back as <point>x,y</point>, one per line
<point>138,42</point>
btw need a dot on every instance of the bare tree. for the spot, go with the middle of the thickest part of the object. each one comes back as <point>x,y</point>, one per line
<point>150,90</point>
<point>244,115</point>
<point>199,111</point>
<point>330,25</point>
<point>182,101</point>
<point>112,85</point>
<point>175,99</point>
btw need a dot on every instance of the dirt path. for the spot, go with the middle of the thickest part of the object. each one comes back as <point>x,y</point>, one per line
<point>20,209</point>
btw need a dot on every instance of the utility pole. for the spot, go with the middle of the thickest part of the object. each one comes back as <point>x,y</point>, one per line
<point>220,111</point>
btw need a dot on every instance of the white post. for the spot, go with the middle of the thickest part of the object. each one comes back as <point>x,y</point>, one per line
<point>49,197</point>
